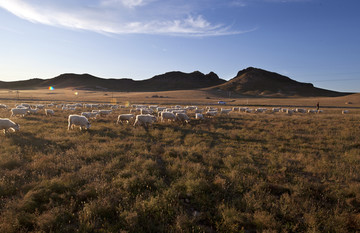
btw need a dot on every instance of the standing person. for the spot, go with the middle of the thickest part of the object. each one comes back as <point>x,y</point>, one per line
<point>317,106</point>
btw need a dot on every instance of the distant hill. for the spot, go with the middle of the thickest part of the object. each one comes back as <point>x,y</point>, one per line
<point>165,82</point>
<point>258,82</point>
<point>247,82</point>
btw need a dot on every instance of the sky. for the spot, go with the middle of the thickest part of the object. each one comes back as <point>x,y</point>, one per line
<point>316,41</point>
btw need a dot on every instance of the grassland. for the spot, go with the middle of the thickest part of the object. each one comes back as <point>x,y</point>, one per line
<point>244,172</point>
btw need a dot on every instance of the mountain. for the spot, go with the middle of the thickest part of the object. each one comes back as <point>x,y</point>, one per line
<point>165,82</point>
<point>257,82</point>
<point>248,82</point>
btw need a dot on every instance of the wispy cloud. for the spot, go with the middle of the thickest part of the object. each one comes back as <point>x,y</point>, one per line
<point>176,17</point>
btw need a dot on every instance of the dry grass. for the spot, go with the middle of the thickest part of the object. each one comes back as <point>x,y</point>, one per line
<point>247,172</point>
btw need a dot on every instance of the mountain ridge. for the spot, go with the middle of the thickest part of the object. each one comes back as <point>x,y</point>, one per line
<point>258,82</point>
<point>248,82</point>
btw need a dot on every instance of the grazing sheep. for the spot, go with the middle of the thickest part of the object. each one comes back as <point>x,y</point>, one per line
<point>33,111</point>
<point>49,112</point>
<point>312,111</point>
<point>289,112</point>
<point>104,112</point>
<point>93,114</point>
<point>345,111</point>
<point>144,120</point>
<point>182,117</point>
<point>167,116</point>
<point>40,106</point>
<point>125,117</point>
<point>225,111</point>
<point>6,124</point>
<point>144,111</point>
<point>86,114</point>
<point>243,109</point>
<point>78,121</point>
<point>211,113</point>
<point>199,116</point>
<point>300,110</point>
<point>3,106</point>
<point>19,112</point>
<point>276,109</point>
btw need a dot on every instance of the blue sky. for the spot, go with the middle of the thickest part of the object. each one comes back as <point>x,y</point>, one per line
<point>315,41</point>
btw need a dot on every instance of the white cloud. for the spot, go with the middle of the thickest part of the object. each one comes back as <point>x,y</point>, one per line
<point>125,3</point>
<point>118,16</point>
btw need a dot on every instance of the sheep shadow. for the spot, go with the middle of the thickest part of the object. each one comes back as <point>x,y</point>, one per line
<point>26,141</point>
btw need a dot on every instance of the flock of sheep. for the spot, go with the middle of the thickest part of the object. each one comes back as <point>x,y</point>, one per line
<point>139,114</point>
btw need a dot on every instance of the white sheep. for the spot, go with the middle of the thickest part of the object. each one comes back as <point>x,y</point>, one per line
<point>199,116</point>
<point>225,111</point>
<point>167,116</point>
<point>6,124</point>
<point>276,109</point>
<point>144,120</point>
<point>33,111</point>
<point>19,112</point>
<point>182,117</point>
<point>104,112</point>
<point>3,106</point>
<point>345,112</point>
<point>125,117</point>
<point>300,110</point>
<point>78,121</point>
<point>49,112</point>
<point>144,111</point>
<point>211,113</point>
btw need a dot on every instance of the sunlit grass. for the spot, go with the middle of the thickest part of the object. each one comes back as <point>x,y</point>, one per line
<point>246,172</point>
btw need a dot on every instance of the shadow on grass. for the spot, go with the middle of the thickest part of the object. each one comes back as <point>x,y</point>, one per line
<point>28,140</point>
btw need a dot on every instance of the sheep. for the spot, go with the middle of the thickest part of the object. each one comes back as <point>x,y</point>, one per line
<point>225,111</point>
<point>260,110</point>
<point>312,111</point>
<point>235,109</point>
<point>49,112</point>
<point>33,111</point>
<point>276,109</point>
<point>78,120</point>
<point>125,117</point>
<point>199,116</point>
<point>25,105</point>
<point>40,106</point>
<point>6,124</point>
<point>345,111</point>
<point>182,117</point>
<point>22,107</point>
<point>160,109</point>
<point>211,113</point>
<point>91,115</point>
<point>144,120</point>
<point>167,116</point>
<point>144,111</point>
<point>3,106</point>
<point>86,114</point>
<point>19,111</point>
<point>105,112</point>
<point>300,110</point>
<point>289,112</point>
